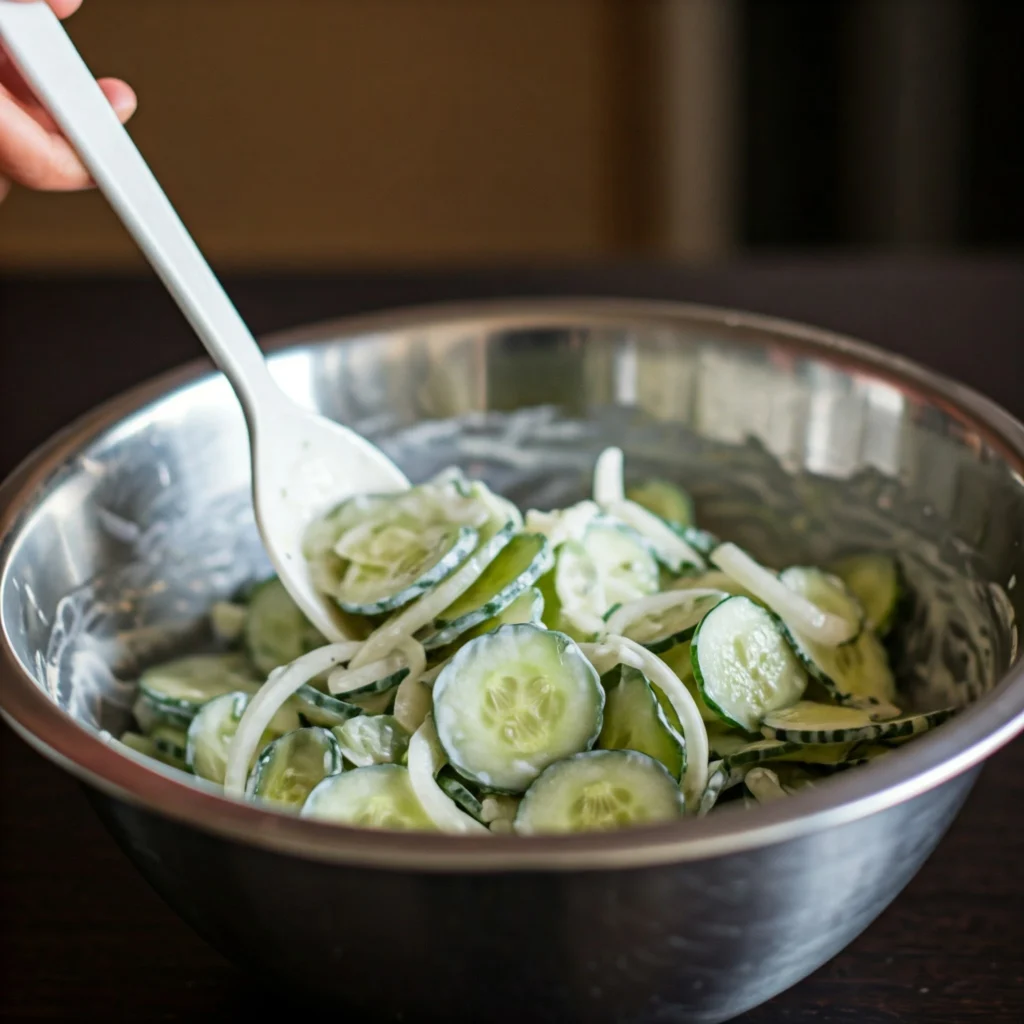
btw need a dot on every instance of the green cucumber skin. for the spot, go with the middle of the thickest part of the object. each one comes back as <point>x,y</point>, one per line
<point>894,729</point>
<point>465,542</point>
<point>268,600</point>
<point>264,763</point>
<point>456,665</point>
<point>899,603</point>
<point>695,661</point>
<point>457,791</point>
<point>449,631</point>
<point>535,794</point>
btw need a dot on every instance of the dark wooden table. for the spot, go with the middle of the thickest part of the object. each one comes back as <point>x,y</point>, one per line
<point>81,935</point>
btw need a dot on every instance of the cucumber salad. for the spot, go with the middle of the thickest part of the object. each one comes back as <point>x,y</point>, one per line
<point>595,667</point>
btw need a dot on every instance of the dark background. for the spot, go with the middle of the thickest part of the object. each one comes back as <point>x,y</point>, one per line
<point>853,108</point>
<point>339,134</point>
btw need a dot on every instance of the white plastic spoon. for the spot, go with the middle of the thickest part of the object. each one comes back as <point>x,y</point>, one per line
<point>302,463</point>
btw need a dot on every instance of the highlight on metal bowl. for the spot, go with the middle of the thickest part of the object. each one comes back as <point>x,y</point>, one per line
<point>594,667</point>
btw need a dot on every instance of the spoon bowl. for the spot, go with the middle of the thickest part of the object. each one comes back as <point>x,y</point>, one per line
<point>304,465</point>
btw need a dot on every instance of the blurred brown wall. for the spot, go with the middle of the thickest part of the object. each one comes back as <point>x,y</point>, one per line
<point>322,132</point>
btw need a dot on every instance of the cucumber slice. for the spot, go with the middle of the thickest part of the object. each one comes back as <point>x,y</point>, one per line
<point>611,565</point>
<point>702,541</point>
<point>823,755</point>
<point>359,684</point>
<point>322,709</point>
<point>808,721</point>
<point>227,620</point>
<point>680,660</point>
<point>666,543</point>
<point>139,743</point>
<point>527,607</point>
<point>456,790</point>
<point>828,593</point>
<point>863,753</point>
<point>896,731</point>
<point>148,716</point>
<point>665,500</point>
<point>625,566</point>
<point>719,780</point>
<point>581,600</point>
<point>760,750</point>
<point>323,534</point>
<point>372,739</point>
<point>293,765</point>
<point>599,790</point>
<point>875,580</point>
<point>662,621</point>
<point>551,615</point>
<point>276,632</point>
<point>634,720</point>
<point>213,729</point>
<point>855,671</point>
<point>512,702</point>
<point>392,563</point>
<point>176,690</point>
<point>170,746</point>
<point>724,740</point>
<point>380,796</point>
<point>743,663</point>
<point>517,566</point>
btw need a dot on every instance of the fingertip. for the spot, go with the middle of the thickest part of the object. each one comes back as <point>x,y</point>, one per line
<point>121,97</point>
<point>62,8</point>
<point>65,8</point>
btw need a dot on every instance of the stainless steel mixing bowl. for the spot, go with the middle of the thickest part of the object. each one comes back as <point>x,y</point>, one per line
<point>800,444</point>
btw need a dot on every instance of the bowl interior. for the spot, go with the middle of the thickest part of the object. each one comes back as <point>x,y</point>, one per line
<point>802,454</point>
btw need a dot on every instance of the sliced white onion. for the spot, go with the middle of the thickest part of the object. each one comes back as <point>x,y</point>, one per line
<point>562,524</point>
<point>267,701</point>
<point>414,700</point>
<point>430,676</point>
<point>425,760</point>
<point>667,544</point>
<point>620,650</point>
<point>415,656</point>
<point>632,612</point>
<point>608,484</point>
<point>796,611</point>
<point>388,636</point>
<point>344,680</point>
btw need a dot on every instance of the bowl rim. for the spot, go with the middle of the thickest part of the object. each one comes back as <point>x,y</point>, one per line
<point>959,746</point>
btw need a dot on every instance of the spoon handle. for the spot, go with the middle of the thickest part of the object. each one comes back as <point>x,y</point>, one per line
<point>48,60</point>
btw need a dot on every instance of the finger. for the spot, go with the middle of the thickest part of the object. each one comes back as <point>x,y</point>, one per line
<point>120,95</point>
<point>33,155</point>
<point>62,8</point>
<point>5,187</point>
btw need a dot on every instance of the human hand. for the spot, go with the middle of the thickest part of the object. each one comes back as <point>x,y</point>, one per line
<point>33,152</point>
